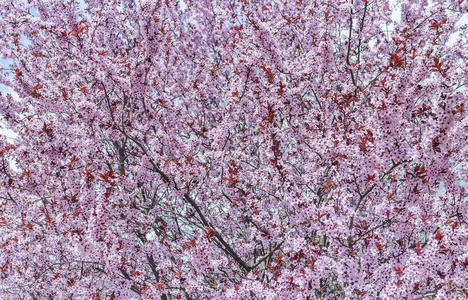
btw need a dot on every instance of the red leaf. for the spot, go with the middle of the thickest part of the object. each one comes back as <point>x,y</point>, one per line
<point>379,246</point>
<point>418,248</point>
<point>210,232</point>
<point>396,61</point>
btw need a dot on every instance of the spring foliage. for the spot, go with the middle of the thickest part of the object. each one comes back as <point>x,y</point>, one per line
<point>248,149</point>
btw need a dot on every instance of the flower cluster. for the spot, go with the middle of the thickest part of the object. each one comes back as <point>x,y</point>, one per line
<point>233,150</point>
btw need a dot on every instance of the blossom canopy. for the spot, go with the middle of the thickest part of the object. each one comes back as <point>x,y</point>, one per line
<point>226,149</point>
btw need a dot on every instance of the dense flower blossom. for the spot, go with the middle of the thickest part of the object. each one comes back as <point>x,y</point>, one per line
<point>244,149</point>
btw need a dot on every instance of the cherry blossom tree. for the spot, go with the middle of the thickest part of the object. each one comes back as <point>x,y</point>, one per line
<point>251,149</point>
